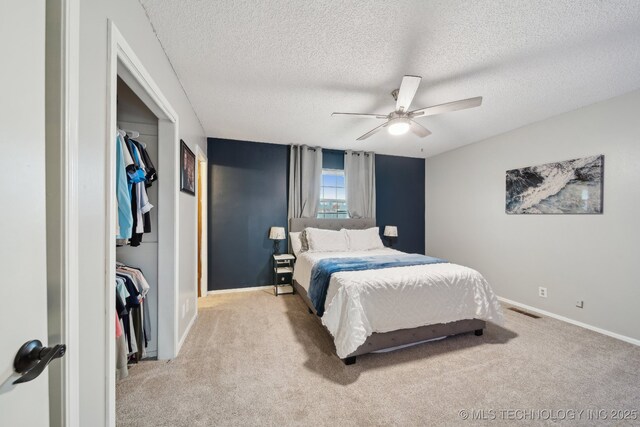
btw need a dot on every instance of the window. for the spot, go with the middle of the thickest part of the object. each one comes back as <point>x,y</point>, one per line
<point>333,202</point>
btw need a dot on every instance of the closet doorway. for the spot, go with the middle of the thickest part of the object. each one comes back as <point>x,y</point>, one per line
<point>141,126</point>
<point>141,105</point>
<point>202,223</point>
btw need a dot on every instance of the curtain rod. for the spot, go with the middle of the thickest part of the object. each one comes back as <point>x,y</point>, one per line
<point>353,153</point>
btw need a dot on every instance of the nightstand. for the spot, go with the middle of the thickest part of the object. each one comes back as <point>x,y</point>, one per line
<point>283,274</point>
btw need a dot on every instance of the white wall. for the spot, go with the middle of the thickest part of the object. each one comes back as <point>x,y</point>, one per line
<point>588,257</point>
<point>131,20</point>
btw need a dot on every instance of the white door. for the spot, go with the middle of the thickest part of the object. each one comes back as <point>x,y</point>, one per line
<point>23,291</point>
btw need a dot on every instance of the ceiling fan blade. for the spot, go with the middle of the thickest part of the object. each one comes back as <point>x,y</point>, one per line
<point>449,106</point>
<point>408,89</point>
<point>364,116</point>
<point>419,130</point>
<point>372,131</point>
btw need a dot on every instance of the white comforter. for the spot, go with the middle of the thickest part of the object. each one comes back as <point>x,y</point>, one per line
<point>360,303</point>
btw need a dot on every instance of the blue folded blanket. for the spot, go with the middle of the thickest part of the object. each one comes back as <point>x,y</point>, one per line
<point>323,269</point>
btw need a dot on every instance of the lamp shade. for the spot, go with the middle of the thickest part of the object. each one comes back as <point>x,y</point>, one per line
<point>391,231</point>
<point>276,233</point>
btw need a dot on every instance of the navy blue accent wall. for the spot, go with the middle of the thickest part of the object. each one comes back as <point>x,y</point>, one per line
<point>332,159</point>
<point>247,195</point>
<point>400,200</point>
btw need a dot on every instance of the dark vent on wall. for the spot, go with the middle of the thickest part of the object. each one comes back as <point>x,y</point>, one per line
<point>517,310</point>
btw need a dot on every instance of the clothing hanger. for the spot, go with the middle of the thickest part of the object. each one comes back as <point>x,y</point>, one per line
<point>135,134</point>
<point>132,133</point>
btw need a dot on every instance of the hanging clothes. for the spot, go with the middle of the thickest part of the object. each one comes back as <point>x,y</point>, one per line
<point>142,219</point>
<point>122,370</point>
<point>133,329</point>
<point>122,330</point>
<point>137,277</point>
<point>138,174</point>
<point>144,206</point>
<point>123,194</point>
<point>135,173</point>
<point>151,173</point>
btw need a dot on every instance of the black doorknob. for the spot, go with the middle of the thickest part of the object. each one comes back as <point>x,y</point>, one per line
<point>33,357</point>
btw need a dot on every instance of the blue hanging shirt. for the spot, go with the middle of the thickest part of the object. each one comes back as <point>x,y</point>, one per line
<point>123,193</point>
<point>138,175</point>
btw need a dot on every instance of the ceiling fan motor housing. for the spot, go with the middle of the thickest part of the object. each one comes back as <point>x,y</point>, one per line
<point>397,115</point>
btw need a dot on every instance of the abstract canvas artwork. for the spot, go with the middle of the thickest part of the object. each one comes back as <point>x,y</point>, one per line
<point>568,187</point>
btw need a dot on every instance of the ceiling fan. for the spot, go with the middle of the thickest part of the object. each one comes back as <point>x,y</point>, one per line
<point>400,121</point>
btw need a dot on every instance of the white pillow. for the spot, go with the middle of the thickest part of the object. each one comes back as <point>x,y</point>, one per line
<point>326,240</point>
<point>296,243</point>
<point>364,240</point>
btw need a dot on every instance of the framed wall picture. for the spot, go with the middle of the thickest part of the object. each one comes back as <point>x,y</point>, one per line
<point>187,169</point>
<point>567,187</point>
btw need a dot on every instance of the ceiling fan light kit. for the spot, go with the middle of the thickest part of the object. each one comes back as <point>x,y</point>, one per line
<point>400,121</point>
<point>399,126</point>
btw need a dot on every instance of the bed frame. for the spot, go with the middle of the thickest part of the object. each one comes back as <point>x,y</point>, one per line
<point>381,341</point>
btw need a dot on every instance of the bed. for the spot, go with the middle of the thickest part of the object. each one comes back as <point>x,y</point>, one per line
<point>377,310</point>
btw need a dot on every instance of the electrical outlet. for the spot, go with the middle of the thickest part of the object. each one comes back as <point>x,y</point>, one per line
<point>542,292</point>
<point>580,303</point>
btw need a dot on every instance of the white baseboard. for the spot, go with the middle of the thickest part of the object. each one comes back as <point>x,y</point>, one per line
<point>186,333</point>
<point>573,322</point>
<point>228,291</point>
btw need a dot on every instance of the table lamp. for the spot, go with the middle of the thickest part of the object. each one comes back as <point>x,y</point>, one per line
<point>276,234</point>
<point>390,231</point>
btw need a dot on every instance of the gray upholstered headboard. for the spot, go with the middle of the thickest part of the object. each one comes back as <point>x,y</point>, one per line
<point>299,224</point>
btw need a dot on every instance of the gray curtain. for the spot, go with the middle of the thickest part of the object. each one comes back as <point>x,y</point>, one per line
<point>305,174</point>
<point>360,183</point>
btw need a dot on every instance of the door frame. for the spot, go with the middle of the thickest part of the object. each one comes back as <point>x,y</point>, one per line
<point>62,212</point>
<point>201,157</point>
<point>124,63</point>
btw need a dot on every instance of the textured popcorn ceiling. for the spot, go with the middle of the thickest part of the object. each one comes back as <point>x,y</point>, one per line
<point>273,71</point>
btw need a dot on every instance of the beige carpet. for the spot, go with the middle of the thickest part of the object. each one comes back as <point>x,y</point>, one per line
<point>254,359</point>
